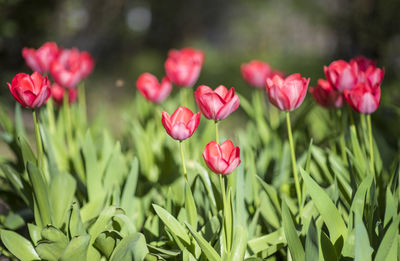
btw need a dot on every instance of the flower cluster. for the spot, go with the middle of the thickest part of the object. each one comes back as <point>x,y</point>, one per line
<point>358,82</point>
<point>67,68</point>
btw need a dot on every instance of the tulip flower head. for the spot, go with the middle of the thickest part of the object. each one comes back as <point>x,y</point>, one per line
<point>181,124</point>
<point>363,63</point>
<point>218,104</point>
<point>151,89</point>
<point>183,66</point>
<point>31,91</point>
<point>287,93</point>
<point>87,64</point>
<point>40,60</point>
<point>221,159</point>
<point>256,73</point>
<point>364,98</point>
<point>58,92</point>
<point>341,75</point>
<point>326,96</point>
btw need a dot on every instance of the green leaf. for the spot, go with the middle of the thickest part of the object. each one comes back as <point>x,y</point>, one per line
<point>75,225</point>
<point>239,244</point>
<point>327,248</point>
<point>26,150</point>
<point>34,233</point>
<point>62,191</point>
<point>106,242</point>
<point>190,206</point>
<point>130,187</point>
<point>53,234</point>
<point>132,247</point>
<point>102,222</point>
<point>41,194</point>
<point>312,247</point>
<point>18,245</point>
<point>207,249</point>
<point>330,214</point>
<point>93,177</point>
<point>51,251</point>
<point>76,249</point>
<point>293,240</point>
<point>172,223</point>
<point>363,250</point>
<point>262,243</point>
<point>388,241</point>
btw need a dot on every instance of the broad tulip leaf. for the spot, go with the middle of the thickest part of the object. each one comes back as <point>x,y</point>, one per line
<point>327,248</point>
<point>190,206</point>
<point>239,244</point>
<point>132,247</point>
<point>363,250</point>
<point>312,242</point>
<point>75,225</point>
<point>262,243</point>
<point>76,249</point>
<point>101,223</point>
<point>51,251</point>
<point>330,214</point>
<point>206,248</point>
<point>107,241</point>
<point>388,242</point>
<point>18,246</point>
<point>93,177</point>
<point>172,223</point>
<point>292,238</point>
<point>62,191</point>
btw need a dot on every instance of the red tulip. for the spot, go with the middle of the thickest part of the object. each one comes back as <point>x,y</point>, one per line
<point>151,89</point>
<point>341,75</point>
<point>256,73</point>
<point>326,96</point>
<point>222,159</point>
<point>57,93</point>
<point>276,72</point>
<point>216,105</point>
<point>287,94</point>
<point>363,63</point>
<point>183,66</point>
<point>40,60</point>
<point>31,91</point>
<point>364,98</point>
<point>181,124</point>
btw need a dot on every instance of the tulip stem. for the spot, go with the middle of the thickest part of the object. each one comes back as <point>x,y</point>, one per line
<point>39,146</point>
<point>183,160</point>
<point>82,101</point>
<point>67,121</point>
<point>294,165</point>
<point>371,147</point>
<point>226,232</point>
<point>216,132</point>
<point>50,115</point>
<point>342,140</point>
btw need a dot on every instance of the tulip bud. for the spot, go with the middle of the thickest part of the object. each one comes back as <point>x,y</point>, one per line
<point>341,75</point>
<point>256,73</point>
<point>181,124</point>
<point>57,93</point>
<point>216,105</point>
<point>287,94</point>
<point>326,96</point>
<point>40,60</point>
<point>221,159</point>
<point>364,98</point>
<point>151,89</point>
<point>31,91</point>
<point>183,66</point>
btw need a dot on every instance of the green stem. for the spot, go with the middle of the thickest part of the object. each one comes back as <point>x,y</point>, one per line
<point>183,160</point>
<point>39,146</point>
<point>226,232</point>
<point>82,101</point>
<point>342,141</point>
<point>50,113</point>
<point>67,122</point>
<point>294,165</point>
<point>371,147</point>
<point>216,132</point>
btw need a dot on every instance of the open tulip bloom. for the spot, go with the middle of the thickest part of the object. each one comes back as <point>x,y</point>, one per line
<point>181,124</point>
<point>287,93</point>
<point>151,89</point>
<point>326,96</point>
<point>183,66</point>
<point>218,104</point>
<point>40,60</point>
<point>342,75</point>
<point>222,159</point>
<point>364,98</point>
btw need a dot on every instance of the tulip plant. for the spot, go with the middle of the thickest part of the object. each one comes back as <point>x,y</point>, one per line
<point>297,181</point>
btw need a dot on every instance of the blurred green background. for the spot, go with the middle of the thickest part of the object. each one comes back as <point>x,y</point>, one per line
<point>128,37</point>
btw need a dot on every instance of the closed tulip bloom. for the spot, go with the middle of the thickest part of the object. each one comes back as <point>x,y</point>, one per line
<point>151,89</point>
<point>181,124</point>
<point>326,96</point>
<point>183,66</point>
<point>58,92</point>
<point>341,75</point>
<point>222,159</point>
<point>364,98</point>
<point>66,69</point>
<point>218,104</point>
<point>363,63</point>
<point>40,60</point>
<point>287,94</point>
<point>31,91</point>
<point>256,73</point>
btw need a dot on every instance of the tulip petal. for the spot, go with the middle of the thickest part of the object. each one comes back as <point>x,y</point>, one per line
<point>228,108</point>
<point>182,114</point>
<point>179,131</point>
<point>194,122</point>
